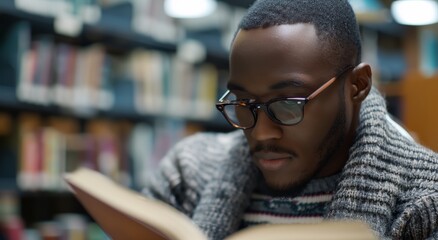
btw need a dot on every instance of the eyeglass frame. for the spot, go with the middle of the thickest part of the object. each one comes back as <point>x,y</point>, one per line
<point>254,106</point>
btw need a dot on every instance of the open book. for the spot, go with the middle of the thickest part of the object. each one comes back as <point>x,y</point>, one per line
<point>125,214</point>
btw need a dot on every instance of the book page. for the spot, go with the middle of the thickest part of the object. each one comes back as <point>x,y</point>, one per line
<point>125,214</point>
<point>327,230</point>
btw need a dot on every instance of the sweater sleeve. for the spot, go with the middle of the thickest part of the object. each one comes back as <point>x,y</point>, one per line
<point>433,236</point>
<point>419,220</point>
<point>185,170</point>
<point>164,183</point>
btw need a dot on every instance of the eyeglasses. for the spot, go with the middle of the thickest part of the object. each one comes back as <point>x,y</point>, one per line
<point>287,111</point>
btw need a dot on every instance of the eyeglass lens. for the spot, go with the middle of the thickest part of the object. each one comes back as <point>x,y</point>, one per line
<point>287,112</point>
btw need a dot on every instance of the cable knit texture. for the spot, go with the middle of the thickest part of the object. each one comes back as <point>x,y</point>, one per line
<point>389,182</point>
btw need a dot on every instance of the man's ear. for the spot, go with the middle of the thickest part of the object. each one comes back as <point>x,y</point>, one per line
<point>361,82</point>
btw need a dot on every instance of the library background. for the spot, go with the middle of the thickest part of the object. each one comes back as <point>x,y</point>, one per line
<point>113,84</point>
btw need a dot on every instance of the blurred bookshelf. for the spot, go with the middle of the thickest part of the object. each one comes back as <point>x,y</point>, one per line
<point>97,93</point>
<point>405,70</point>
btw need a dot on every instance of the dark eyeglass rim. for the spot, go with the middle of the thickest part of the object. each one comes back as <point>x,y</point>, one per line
<point>253,106</point>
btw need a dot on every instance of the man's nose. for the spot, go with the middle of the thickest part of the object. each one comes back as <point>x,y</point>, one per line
<point>265,129</point>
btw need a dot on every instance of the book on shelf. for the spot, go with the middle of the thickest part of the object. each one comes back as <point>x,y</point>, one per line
<point>65,75</point>
<point>48,147</point>
<point>140,145</point>
<point>126,214</point>
<point>65,59</point>
<point>37,69</point>
<point>86,79</point>
<point>41,152</point>
<point>206,84</point>
<point>14,41</point>
<point>168,85</point>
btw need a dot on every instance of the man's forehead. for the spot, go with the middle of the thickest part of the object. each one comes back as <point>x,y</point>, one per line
<point>278,31</point>
<point>266,60</point>
<point>278,47</point>
<point>296,44</point>
<point>278,40</point>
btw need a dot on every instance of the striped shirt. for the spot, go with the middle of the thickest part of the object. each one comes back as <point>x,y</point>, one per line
<point>308,206</point>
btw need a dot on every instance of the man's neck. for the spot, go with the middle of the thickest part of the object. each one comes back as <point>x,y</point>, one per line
<point>315,184</point>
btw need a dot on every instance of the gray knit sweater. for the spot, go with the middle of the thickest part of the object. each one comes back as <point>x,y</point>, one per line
<point>389,182</point>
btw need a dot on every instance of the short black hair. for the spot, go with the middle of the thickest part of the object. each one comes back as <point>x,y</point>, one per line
<point>334,21</point>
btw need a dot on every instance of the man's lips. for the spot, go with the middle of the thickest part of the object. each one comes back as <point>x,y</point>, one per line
<point>270,161</point>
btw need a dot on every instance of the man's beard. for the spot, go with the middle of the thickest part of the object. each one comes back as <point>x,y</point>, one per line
<point>333,140</point>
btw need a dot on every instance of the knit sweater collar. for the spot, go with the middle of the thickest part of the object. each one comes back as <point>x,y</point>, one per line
<point>317,185</point>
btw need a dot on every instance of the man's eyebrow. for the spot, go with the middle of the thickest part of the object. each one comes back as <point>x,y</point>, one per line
<point>286,84</point>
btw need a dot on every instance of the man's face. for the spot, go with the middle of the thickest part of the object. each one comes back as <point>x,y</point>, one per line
<point>286,61</point>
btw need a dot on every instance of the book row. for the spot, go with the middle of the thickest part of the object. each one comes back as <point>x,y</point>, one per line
<point>87,79</point>
<point>63,225</point>
<point>49,147</point>
<point>146,17</point>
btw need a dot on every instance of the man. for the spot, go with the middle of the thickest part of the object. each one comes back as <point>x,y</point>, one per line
<point>315,142</point>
